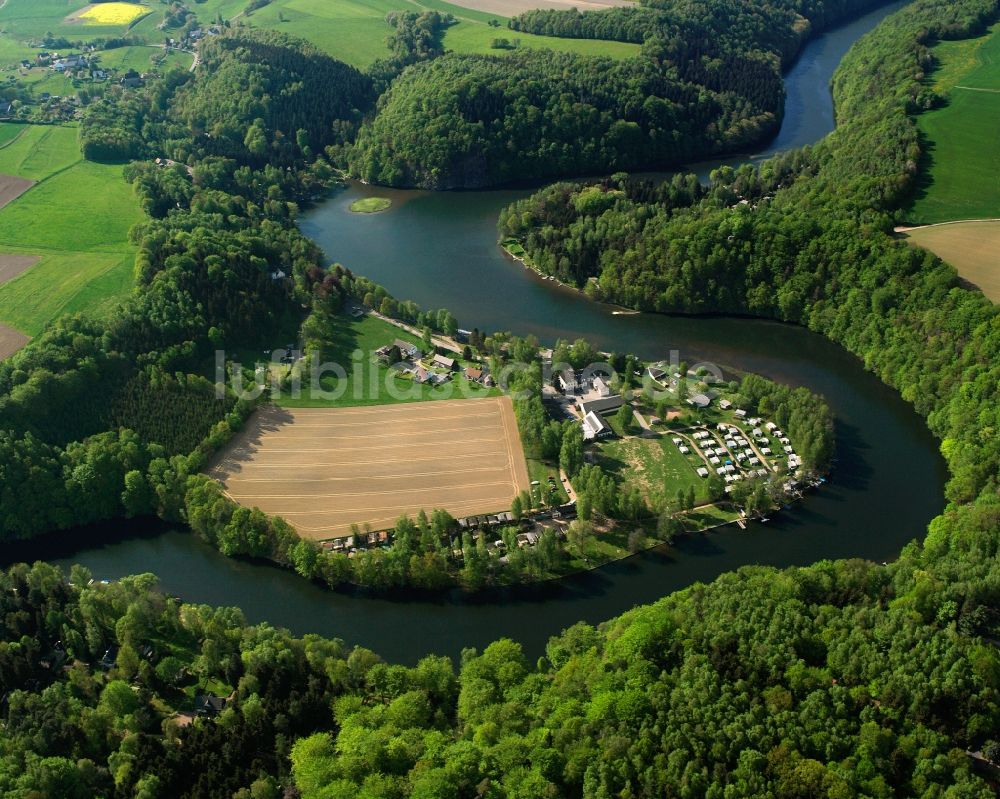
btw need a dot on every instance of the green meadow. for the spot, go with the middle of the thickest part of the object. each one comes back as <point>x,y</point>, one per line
<point>655,466</point>
<point>963,138</point>
<point>355,30</point>
<point>366,381</point>
<point>76,217</point>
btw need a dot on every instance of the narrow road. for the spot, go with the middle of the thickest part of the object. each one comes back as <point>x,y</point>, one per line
<point>437,341</point>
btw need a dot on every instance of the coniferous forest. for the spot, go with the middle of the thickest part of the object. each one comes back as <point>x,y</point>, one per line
<point>840,679</point>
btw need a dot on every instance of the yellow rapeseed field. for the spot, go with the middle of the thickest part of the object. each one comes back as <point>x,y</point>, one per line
<point>112,13</point>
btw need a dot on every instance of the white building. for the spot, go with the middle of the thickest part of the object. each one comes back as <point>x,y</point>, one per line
<point>594,427</point>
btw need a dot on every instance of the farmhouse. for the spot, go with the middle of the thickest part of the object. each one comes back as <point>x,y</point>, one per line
<point>407,351</point>
<point>594,427</point>
<point>566,382</point>
<point>600,405</point>
<point>444,362</point>
<point>209,705</point>
<point>131,80</point>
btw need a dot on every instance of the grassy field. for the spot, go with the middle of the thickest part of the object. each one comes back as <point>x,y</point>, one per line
<point>542,494</point>
<point>76,218</point>
<point>355,30</point>
<point>959,178</point>
<point>368,382</point>
<point>973,248</point>
<point>655,466</point>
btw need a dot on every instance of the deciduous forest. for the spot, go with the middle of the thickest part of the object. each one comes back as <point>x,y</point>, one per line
<point>840,679</point>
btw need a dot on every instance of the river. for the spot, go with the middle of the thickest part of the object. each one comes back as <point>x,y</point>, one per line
<point>440,250</point>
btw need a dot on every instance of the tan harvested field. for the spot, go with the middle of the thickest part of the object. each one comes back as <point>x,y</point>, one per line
<point>324,469</point>
<point>973,248</point>
<point>11,341</point>
<point>511,8</point>
<point>12,187</point>
<point>13,265</point>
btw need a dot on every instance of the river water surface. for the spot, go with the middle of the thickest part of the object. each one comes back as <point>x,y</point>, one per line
<point>439,249</point>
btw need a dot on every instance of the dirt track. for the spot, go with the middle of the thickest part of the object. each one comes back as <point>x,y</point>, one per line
<point>12,187</point>
<point>323,469</point>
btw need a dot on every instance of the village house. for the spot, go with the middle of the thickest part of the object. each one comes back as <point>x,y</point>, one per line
<point>209,705</point>
<point>479,375</point>
<point>131,80</point>
<point>407,351</point>
<point>566,382</point>
<point>444,362</point>
<point>600,405</point>
<point>601,388</point>
<point>70,63</point>
<point>595,427</point>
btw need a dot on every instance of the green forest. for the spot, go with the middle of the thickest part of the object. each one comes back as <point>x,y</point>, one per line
<point>840,679</point>
<point>708,81</point>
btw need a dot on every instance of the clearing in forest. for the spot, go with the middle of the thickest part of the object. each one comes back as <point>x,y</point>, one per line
<point>973,248</point>
<point>324,469</point>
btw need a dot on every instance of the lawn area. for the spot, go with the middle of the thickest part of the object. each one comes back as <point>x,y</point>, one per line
<point>655,466</point>
<point>355,30</point>
<point>707,517</point>
<point>467,37</point>
<point>971,247</point>
<point>537,470</point>
<point>76,217</point>
<point>959,177</point>
<point>368,382</point>
<point>143,58</point>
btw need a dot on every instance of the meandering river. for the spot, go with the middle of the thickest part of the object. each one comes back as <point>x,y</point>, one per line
<point>440,250</point>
